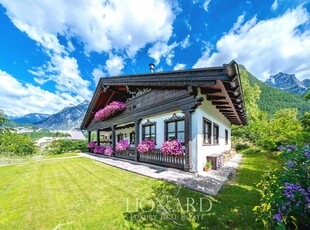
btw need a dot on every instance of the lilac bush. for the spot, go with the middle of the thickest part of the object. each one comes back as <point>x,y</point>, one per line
<point>122,145</point>
<point>285,192</point>
<point>146,146</point>
<point>99,150</point>
<point>91,145</point>
<point>173,148</point>
<point>110,110</point>
<point>108,151</point>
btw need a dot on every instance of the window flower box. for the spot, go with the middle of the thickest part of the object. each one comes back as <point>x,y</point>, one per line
<point>110,110</point>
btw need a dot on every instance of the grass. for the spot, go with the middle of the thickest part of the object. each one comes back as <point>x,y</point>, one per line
<point>79,193</point>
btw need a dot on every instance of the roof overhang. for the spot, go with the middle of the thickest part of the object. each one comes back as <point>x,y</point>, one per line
<point>221,85</point>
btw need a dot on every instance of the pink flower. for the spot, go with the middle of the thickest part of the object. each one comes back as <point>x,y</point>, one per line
<point>173,147</point>
<point>110,110</point>
<point>108,151</point>
<point>99,150</point>
<point>91,145</point>
<point>146,146</point>
<point>122,145</point>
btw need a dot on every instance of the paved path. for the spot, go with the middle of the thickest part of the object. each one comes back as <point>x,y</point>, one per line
<point>209,182</point>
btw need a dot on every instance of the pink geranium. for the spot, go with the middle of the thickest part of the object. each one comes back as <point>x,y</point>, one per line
<point>91,145</point>
<point>108,151</point>
<point>173,147</point>
<point>146,146</point>
<point>110,110</point>
<point>99,150</point>
<point>122,145</point>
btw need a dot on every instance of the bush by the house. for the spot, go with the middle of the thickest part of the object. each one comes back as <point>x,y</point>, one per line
<point>108,151</point>
<point>91,145</point>
<point>62,146</point>
<point>16,144</point>
<point>285,201</point>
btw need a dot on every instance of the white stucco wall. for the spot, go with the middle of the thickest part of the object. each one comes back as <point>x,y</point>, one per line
<point>160,126</point>
<point>208,111</point>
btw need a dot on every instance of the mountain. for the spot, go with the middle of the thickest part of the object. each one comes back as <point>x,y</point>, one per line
<point>30,118</point>
<point>287,82</point>
<point>306,83</point>
<point>67,119</point>
<point>273,99</point>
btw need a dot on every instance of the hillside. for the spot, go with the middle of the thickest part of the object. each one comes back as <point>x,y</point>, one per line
<point>31,118</point>
<point>67,119</point>
<point>272,99</point>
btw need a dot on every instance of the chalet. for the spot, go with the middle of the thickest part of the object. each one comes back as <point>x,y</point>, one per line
<point>196,107</point>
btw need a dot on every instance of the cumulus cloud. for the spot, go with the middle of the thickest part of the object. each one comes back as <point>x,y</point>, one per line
<point>179,66</point>
<point>274,5</point>
<point>97,74</point>
<point>100,25</point>
<point>162,50</point>
<point>27,98</point>
<point>265,47</point>
<point>114,65</point>
<point>185,43</point>
<point>204,3</point>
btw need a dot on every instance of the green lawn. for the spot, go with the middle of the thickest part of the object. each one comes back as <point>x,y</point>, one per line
<point>83,194</point>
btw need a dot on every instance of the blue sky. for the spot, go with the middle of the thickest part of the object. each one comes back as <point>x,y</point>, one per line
<point>52,53</point>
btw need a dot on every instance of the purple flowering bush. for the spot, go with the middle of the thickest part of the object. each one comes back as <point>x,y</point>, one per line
<point>109,110</point>
<point>91,145</point>
<point>108,151</point>
<point>122,145</point>
<point>146,146</point>
<point>173,148</point>
<point>99,150</point>
<point>285,192</point>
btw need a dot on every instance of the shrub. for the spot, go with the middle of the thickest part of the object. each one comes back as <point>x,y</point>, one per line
<point>252,150</point>
<point>16,144</point>
<point>285,201</point>
<point>62,146</point>
<point>146,146</point>
<point>173,147</point>
<point>122,145</point>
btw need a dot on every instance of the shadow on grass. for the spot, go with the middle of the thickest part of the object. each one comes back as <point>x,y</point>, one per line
<point>170,206</point>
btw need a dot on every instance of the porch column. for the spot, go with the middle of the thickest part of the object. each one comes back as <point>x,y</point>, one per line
<point>188,139</point>
<point>113,139</point>
<point>98,137</point>
<point>89,139</point>
<point>137,138</point>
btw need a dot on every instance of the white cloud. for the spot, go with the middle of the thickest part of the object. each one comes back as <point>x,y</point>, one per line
<point>97,74</point>
<point>274,5</point>
<point>206,5</point>
<point>179,66</point>
<point>185,43</point>
<point>18,99</point>
<point>265,47</point>
<point>162,49</point>
<point>100,25</point>
<point>114,65</point>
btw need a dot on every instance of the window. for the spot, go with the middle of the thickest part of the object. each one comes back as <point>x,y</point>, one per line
<point>215,134</point>
<point>132,137</point>
<point>149,132</point>
<point>175,130</point>
<point>226,136</point>
<point>207,131</point>
<point>120,137</point>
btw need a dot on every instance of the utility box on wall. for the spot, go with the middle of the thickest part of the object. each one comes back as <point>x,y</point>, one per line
<point>217,160</point>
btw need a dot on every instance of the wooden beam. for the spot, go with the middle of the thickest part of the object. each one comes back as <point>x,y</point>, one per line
<point>220,103</point>
<point>216,98</point>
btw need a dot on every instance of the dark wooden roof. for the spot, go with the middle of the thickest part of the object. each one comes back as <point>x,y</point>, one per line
<point>221,85</point>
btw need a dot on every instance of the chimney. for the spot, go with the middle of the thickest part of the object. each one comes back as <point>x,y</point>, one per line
<point>151,65</point>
